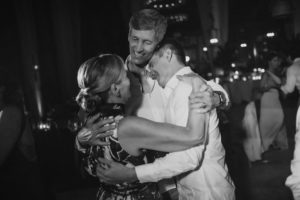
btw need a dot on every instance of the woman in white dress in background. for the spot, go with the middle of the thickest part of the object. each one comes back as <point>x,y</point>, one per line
<point>272,127</point>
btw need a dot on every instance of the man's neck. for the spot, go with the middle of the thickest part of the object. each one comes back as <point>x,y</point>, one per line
<point>174,69</point>
<point>138,69</point>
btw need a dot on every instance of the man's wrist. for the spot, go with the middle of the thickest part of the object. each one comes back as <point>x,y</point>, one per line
<point>132,176</point>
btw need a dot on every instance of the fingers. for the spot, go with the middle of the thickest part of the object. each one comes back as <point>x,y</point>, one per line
<point>101,174</point>
<point>99,139</point>
<point>104,122</point>
<point>105,128</point>
<point>104,161</point>
<point>101,135</point>
<point>201,102</point>
<point>197,82</point>
<point>92,120</point>
<point>200,108</point>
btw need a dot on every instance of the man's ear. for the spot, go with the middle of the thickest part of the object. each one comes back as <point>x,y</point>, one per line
<point>115,90</point>
<point>168,54</point>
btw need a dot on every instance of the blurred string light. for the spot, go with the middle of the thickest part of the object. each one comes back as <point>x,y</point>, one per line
<point>178,18</point>
<point>209,74</point>
<point>205,49</point>
<point>214,40</point>
<point>257,73</point>
<point>243,45</point>
<point>233,65</point>
<point>261,70</point>
<point>162,4</point>
<point>235,76</point>
<point>254,51</point>
<point>44,125</point>
<point>187,58</point>
<point>270,34</point>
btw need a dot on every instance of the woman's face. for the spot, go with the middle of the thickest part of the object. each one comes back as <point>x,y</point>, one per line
<point>123,85</point>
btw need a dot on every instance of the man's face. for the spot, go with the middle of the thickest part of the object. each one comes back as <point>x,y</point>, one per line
<point>141,45</point>
<point>159,66</point>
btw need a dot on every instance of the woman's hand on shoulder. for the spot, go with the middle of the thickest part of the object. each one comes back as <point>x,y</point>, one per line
<point>95,131</point>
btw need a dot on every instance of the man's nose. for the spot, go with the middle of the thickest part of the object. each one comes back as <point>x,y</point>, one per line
<point>139,47</point>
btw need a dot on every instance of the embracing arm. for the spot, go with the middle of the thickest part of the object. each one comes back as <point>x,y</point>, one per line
<point>137,133</point>
<point>169,166</point>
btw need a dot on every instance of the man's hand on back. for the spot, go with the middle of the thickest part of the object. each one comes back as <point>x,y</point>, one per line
<point>114,173</point>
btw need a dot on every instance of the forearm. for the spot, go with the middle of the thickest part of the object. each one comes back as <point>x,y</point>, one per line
<point>171,165</point>
<point>138,133</point>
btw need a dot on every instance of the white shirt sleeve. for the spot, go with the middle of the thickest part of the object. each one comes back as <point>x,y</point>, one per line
<point>171,165</point>
<point>217,87</point>
<point>290,84</point>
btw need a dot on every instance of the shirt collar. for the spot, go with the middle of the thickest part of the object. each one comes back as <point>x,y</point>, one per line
<point>172,83</point>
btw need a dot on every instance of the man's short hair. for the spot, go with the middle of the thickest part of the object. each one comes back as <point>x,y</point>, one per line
<point>175,46</point>
<point>149,19</point>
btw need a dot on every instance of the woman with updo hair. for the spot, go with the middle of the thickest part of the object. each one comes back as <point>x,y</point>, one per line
<point>104,89</point>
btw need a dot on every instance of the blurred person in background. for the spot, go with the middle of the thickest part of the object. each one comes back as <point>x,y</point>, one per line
<point>271,123</point>
<point>19,171</point>
<point>252,143</point>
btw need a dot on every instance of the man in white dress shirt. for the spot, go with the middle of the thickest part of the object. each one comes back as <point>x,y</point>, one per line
<point>200,171</point>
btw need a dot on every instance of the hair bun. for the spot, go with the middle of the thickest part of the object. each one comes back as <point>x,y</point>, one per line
<point>86,101</point>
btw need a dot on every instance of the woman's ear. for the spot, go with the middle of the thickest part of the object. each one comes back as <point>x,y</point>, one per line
<point>115,90</point>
